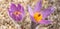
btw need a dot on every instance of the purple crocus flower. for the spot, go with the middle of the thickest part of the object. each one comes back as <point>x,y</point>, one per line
<point>38,16</point>
<point>16,12</point>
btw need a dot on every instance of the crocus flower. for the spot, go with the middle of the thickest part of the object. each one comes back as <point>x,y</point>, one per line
<point>38,16</point>
<point>16,12</point>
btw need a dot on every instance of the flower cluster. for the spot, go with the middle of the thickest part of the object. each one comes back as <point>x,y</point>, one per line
<point>37,15</point>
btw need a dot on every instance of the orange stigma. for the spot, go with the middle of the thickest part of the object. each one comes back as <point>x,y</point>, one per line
<point>17,13</point>
<point>37,17</point>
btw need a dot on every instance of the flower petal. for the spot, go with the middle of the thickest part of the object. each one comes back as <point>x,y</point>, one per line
<point>13,6</point>
<point>16,18</point>
<point>45,21</point>
<point>38,6</point>
<point>32,19</point>
<point>47,11</point>
<point>30,10</point>
<point>21,9</point>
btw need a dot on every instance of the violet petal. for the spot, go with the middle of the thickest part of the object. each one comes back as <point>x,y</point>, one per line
<point>45,21</point>
<point>13,7</point>
<point>30,10</point>
<point>16,18</point>
<point>32,18</point>
<point>38,6</point>
<point>47,11</point>
<point>21,9</point>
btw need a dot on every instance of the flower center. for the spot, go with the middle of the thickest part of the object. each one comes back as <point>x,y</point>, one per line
<point>37,17</point>
<point>17,13</point>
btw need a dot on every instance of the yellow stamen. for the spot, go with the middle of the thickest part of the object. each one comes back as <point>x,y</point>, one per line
<point>37,16</point>
<point>17,13</point>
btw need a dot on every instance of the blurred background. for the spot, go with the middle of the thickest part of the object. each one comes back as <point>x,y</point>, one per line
<point>6,22</point>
